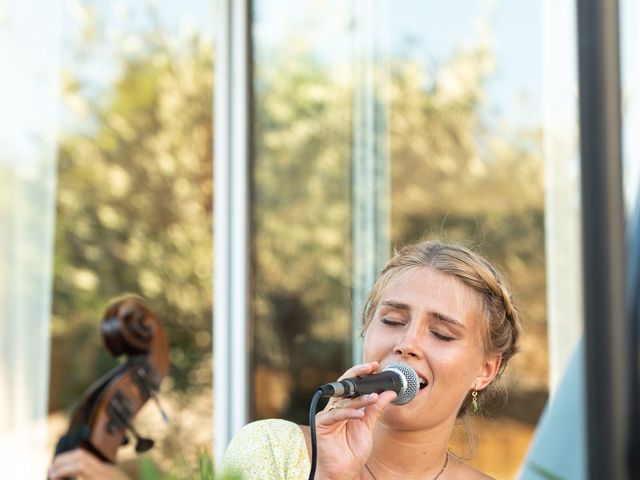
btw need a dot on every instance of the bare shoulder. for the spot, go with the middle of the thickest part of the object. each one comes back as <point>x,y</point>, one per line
<point>461,470</point>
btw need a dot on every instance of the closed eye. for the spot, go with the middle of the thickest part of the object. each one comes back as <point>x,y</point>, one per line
<point>443,337</point>
<point>389,321</point>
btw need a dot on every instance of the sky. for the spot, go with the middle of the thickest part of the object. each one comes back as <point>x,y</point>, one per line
<point>514,27</point>
<point>431,30</point>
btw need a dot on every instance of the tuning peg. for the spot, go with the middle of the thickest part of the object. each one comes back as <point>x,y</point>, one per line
<point>143,444</point>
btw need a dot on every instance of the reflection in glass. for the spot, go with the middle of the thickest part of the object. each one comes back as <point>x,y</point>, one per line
<point>300,204</point>
<point>630,79</point>
<point>466,166</point>
<point>29,53</point>
<point>135,202</point>
<point>465,140</point>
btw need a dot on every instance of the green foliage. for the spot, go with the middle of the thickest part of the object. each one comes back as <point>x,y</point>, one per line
<point>148,469</point>
<point>205,467</point>
<point>180,471</point>
<point>134,213</point>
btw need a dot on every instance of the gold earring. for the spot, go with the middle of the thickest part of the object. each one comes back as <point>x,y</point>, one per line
<point>474,401</point>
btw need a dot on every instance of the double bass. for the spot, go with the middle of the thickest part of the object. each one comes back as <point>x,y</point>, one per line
<point>103,416</point>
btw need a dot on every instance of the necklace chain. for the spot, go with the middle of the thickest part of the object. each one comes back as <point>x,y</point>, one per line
<point>446,461</point>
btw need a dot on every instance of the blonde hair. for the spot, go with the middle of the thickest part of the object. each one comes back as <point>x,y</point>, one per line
<point>499,320</point>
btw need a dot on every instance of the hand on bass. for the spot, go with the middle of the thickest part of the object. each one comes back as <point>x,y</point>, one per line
<point>81,465</point>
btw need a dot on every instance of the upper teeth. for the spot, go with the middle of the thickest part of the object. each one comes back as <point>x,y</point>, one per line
<point>422,380</point>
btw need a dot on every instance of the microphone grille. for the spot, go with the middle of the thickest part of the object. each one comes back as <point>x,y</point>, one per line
<point>411,381</point>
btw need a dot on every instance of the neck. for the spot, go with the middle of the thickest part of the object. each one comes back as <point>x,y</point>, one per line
<point>408,454</point>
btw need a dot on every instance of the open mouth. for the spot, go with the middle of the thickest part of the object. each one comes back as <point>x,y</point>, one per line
<point>423,383</point>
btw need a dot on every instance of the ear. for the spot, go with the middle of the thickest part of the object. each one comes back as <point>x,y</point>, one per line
<point>487,372</point>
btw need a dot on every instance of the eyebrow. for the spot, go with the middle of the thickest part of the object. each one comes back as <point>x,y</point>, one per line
<point>437,315</point>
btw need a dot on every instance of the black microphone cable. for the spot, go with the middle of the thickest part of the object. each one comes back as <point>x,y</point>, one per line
<point>312,425</point>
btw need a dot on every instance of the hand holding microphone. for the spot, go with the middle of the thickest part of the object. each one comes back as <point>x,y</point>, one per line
<point>344,428</point>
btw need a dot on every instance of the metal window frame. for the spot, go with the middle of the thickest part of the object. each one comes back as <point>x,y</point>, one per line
<point>608,329</point>
<point>231,221</point>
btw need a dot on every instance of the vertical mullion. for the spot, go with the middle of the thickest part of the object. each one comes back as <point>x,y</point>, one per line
<point>222,242</point>
<point>607,361</point>
<point>231,375</point>
<point>239,368</point>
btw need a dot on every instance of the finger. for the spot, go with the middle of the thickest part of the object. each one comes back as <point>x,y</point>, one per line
<point>76,462</point>
<point>65,464</point>
<point>349,409</point>
<point>353,402</point>
<point>331,417</point>
<point>373,411</point>
<point>361,369</point>
<point>64,470</point>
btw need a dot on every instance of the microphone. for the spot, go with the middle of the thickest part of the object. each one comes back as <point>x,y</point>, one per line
<point>399,377</point>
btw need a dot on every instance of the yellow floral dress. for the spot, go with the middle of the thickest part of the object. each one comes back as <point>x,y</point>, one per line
<point>268,449</point>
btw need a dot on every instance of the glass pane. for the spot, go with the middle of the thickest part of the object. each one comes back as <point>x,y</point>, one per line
<point>29,50</point>
<point>466,165</point>
<point>464,92</point>
<point>630,78</point>
<point>135,205</point>
<point>300,203</point>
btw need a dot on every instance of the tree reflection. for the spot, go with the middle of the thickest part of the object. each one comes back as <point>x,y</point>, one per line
<point>135,215</point>
<point>456,174</point>
<point>135,207</point>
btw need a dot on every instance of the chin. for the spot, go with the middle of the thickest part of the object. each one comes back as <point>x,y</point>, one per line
<point>401,417</point>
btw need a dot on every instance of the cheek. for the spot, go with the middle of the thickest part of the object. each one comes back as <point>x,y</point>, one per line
<point>459,365</point>
<point>376,345</point>
<point>369,349</point>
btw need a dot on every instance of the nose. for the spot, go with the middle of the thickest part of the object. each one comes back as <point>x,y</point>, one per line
<point>409,345</point>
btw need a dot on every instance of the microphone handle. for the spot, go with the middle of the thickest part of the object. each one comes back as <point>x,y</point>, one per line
<point>354,387</point>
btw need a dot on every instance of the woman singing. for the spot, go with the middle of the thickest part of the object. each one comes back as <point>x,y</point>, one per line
<point>443,310</point>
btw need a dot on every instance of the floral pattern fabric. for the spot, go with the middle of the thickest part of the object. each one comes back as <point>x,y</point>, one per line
<point>268,450</point>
